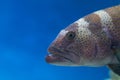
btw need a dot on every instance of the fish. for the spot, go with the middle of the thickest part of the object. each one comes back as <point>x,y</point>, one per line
<point>93,40</point>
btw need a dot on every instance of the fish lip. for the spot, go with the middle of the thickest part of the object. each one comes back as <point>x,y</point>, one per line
<point>56,54</point>
<point>51,58</point>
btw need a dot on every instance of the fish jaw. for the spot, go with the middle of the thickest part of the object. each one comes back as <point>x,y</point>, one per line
<point>57,60</point>
<point>54,56</point>
<point>60,57</point>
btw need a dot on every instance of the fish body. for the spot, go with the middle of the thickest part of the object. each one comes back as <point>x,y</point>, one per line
<point>93,40</point>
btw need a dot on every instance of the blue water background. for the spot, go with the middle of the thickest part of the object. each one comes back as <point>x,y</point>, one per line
<point>27,27</point>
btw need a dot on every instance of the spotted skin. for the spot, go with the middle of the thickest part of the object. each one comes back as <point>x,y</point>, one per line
<point>93,40</point>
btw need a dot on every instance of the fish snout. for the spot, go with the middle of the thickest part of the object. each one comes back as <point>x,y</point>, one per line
<point>49,58</point>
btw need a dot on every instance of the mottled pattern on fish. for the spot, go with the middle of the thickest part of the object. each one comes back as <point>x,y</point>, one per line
<point>104,27</point>
<point>93,40</point>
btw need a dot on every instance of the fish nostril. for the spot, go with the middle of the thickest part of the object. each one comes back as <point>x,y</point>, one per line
<point>50,49</point>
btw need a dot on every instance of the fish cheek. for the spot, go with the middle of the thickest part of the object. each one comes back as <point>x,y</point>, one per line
<point>74,51</point>
<point>75,45</point>
<point>64,43</point>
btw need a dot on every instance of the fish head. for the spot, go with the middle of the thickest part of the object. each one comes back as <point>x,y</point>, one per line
<point>89,41</point>
<point>72,47</point>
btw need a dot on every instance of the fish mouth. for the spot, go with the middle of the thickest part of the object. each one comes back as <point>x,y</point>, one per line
<point>57,56</point>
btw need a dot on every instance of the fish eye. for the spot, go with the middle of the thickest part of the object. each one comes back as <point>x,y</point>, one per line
<point>70,35</point>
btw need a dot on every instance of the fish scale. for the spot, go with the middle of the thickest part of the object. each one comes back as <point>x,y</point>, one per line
<point>93,40</point>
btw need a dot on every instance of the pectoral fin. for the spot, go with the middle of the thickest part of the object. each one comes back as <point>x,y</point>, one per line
<point>117,54</point>
<point>116,51</point>
<point>115,68</point>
